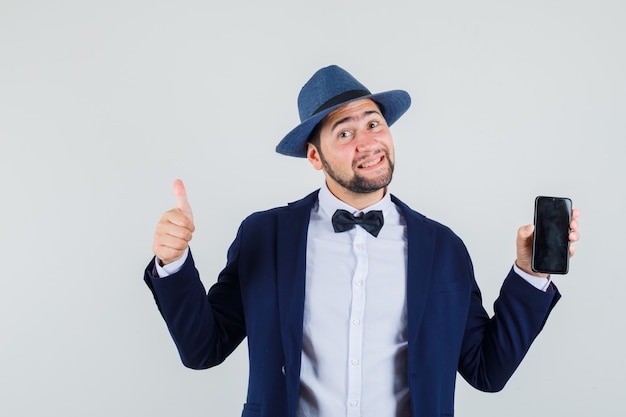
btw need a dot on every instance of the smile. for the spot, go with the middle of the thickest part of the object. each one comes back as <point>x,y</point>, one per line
<point>371,163</point>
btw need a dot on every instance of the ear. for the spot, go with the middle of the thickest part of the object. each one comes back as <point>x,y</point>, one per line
<point>313,156</point>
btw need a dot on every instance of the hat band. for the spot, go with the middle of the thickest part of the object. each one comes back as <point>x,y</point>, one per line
<point>341,98</point>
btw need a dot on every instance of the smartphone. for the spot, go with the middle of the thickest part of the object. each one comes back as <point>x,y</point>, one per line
<point>553,216</point>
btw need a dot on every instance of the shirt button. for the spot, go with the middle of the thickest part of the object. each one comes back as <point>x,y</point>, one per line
<point>355,361</point>
<point>359,246</point>
<point>356,322</point>
<point>358,282</point>
<point>353,403</point>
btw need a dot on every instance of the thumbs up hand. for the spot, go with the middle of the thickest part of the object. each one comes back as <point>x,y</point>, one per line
<point>175,229</point>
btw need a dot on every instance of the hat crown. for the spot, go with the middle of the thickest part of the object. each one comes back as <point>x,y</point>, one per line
<point>328,86</point>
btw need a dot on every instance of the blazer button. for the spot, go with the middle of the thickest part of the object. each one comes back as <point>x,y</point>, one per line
<point>284,370</point>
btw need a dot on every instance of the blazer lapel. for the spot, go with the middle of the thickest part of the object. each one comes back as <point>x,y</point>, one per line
<point>292,230</point>
<point>420,254</point>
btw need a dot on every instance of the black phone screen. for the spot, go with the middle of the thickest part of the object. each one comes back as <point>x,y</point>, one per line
<point>551,238</point>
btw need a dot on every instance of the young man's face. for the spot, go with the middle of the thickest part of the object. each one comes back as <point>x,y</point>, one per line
<point>355,149</point>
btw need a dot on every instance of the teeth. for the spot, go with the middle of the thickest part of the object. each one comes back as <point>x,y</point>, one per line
<point>369,164</point>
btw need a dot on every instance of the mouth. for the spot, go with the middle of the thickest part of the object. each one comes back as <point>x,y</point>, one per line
<point>372,162</point>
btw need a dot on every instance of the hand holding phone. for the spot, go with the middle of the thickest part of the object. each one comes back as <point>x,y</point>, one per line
<point>551,237</point>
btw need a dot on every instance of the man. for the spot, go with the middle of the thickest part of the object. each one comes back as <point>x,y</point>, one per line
<point>353,304</point>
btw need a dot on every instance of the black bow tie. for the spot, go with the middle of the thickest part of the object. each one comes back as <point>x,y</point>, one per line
<point>372,221</point>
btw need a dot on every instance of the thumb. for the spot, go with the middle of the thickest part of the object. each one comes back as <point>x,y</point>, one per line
<point>180,194</point>
<point>525,232</point>
<point>524,242</point>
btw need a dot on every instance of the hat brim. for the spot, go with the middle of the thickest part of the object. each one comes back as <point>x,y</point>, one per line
<point>393,104</point>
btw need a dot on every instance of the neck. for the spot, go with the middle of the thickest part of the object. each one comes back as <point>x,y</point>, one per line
<point>357,200</point>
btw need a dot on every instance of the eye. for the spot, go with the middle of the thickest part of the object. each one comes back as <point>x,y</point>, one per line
<point>373,124</point>
<point>344,134</point>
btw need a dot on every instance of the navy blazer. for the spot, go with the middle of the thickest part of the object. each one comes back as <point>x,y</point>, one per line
<point>260,295</point>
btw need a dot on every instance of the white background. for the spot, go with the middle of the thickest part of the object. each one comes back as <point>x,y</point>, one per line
<point>103,104</point>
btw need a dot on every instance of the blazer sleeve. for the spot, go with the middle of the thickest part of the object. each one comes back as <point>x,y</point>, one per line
<point>494,347</point>
<point>206,328</point>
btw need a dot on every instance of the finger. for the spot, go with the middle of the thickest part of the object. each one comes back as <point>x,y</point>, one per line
<point>182,203</point>
<point>572,250</point>
<point>525,232</point>
<point>574,235</point>
<point>172,236</point>
<point>177,218</point>
<point>166,254</point>
<point>178,228</point>
<point>523,241</point>
<point>171,242</point>
<point>524,249</point>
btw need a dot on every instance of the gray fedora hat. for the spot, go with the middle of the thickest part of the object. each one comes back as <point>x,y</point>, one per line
<point>327,90</point>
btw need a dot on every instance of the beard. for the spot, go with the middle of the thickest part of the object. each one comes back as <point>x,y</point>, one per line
<point>357,183</point>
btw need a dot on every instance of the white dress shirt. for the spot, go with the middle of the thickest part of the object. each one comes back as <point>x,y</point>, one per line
<point>354,355</point>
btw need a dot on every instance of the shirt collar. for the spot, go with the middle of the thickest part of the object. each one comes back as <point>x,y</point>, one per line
<point>329,203</point>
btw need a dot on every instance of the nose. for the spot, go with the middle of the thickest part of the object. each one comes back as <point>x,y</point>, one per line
<point>365,141</point>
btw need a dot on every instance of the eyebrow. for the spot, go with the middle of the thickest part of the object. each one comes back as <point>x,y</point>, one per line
<point>349,118</point>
